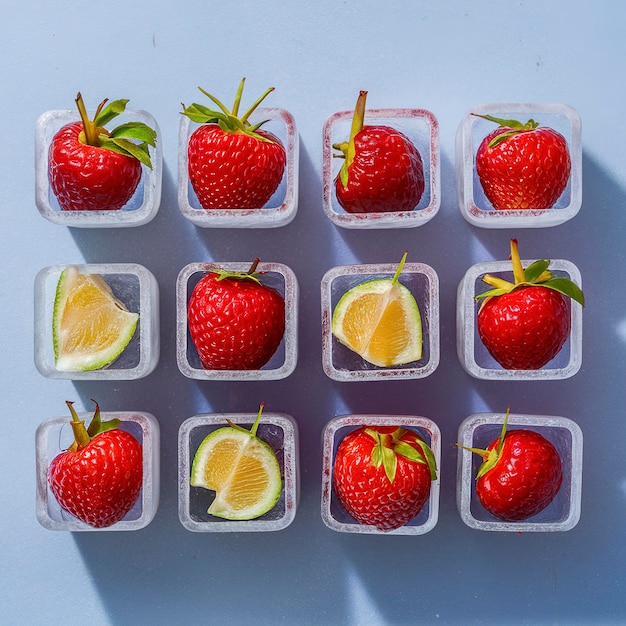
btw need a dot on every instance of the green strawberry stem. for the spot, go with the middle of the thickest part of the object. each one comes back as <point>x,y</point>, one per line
<point>399,269</point>
<point>514,127</point>
<point>82,435</point>
<point>228,121</point>
<point>91,133</point>
<point>255,426</point>
<point>536,274</point>
<point>122,139</point>
<point>251,274</point>
<point>347,148</point>
<point>490,457</point>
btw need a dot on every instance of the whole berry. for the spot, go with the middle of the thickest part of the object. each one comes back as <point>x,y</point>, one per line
<point>382,170</point>
<point>522,166</point>
<point>231,163</point>
<point>382,475</point>
<point>235,321</point>
<point>525,324</point>
<point>99,478</point>
<point>520,476</point>
<point>92,169</point>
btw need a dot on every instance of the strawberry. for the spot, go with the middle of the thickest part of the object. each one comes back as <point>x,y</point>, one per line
<point>382,171</point>
<point>525,324</point>
<point>232,164</point>
<point>99,478</point>
<point>92,169</point>
<point>522,166</point>
<point>520,476</point>
<point>235,322</point>
<point>382,475</point>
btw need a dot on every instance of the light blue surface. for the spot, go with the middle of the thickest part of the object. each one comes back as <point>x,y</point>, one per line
<point>443,56</point>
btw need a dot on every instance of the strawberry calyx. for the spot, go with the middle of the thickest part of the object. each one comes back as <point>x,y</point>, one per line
<point>251,274</point>
<point>83,435</point>
<point>389,445</point>
<point>228,121</point>
<point>347,149</point>
<point>510,128</point>
<point>131,139</point>
<point>536,274</point>
<point>490,457</point>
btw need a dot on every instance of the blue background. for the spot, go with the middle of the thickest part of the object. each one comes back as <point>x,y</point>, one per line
<point>442,56</point>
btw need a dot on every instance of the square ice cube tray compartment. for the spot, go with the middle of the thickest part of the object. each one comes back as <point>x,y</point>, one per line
<point>280,209</point>
<point>422,128</point>
<point>479,430</point>
<point>279,431</point>
<point>474,206</point>
<point>133,285</point>
<point>55,435</point>
<point>139,210</point>
<point>334,515</point>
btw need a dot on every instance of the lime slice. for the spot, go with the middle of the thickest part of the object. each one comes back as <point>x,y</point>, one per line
<point>90,326</point>
<point>379,320</point>
<point>242,470</point>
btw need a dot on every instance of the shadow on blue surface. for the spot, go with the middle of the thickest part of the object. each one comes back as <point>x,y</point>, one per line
<point>306,573</point>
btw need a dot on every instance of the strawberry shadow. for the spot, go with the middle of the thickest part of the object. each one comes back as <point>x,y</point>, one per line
<point>174,564</point>
<point>177,567</point>
<point>592,398</point>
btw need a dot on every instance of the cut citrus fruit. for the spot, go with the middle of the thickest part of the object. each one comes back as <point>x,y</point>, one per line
<point>242,470</point>
<point>90,326</point>
<point>379,320</point>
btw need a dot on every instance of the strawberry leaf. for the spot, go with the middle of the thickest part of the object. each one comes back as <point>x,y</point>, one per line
<point>137,131</point>
<point>202,115</point>
<point>390,461</point>
<point>127,148</point>
<point>567,287</point>
<point>535,270</point>
<point>408,452</point>
<point>492,292</point>
<point>109,112</point>
<point>429,456</point>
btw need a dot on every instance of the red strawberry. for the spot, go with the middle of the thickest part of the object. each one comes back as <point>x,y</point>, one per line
<point>382,475</point>
<point>382,171</point>
<point>521,474</point>
<point>231,163</point>
<point>522,166</point>
<point>99,478</point>
<point>235,322</point>
<point>525,324</point>
<point>92,169</point>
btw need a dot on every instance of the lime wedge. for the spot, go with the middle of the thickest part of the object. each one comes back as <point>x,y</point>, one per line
<point>90,326</point>
<point>242,470</point>
<point>379,320</point>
